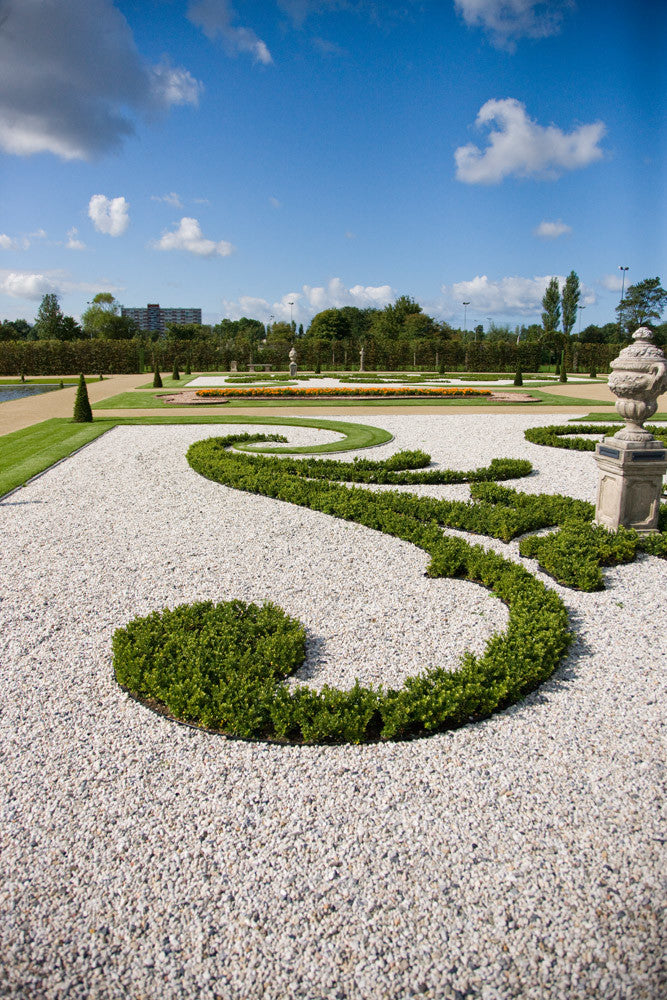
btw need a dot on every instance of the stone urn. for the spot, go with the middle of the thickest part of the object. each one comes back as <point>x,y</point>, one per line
<point>292,363</point>
<point>632,463</point>
<point>639,376</point>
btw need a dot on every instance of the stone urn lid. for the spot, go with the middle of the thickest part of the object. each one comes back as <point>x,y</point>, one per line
<point>640,356</point>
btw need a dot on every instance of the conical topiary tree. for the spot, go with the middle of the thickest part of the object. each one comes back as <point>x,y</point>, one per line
<point>82,411</point>
<point>593,372</point>
<point>563,374</point>
<point>157,379</point>
<point>188,370</point>
<point>518,378</point>
<point>176,375</point>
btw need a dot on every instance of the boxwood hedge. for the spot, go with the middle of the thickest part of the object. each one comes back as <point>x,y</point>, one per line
<point>222,667</point>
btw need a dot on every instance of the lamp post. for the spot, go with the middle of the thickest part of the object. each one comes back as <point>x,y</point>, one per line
<point>291,321</point>
<point>620,305</point>
<point>581,309</point>
<point>465,317</point>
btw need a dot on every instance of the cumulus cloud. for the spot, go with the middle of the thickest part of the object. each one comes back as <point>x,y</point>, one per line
<point>109,215</point>
<point>522,147</point>
<point>552,230</point>
<point>72,81</point>
<point>511,296</point>
<point>7,243</point>
<point>509,20</point>
<point>216,17</point>
<point>173,85</point>
<point>73,242</point>
<point>188,236</point>
<point>26,285</point>
<point>35,284</point>
<point>310,300</point>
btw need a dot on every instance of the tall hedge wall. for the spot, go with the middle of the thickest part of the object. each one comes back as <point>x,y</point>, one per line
<point>56,357</point>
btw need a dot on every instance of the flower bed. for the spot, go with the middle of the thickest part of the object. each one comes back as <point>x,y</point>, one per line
<point>316,391</point>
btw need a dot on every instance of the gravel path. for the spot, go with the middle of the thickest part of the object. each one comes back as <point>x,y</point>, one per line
<point>521,857</point>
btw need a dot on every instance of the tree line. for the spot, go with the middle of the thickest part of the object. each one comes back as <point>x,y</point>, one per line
<point>400,335</point>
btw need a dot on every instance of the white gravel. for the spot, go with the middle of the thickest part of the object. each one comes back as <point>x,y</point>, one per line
<point>521,857</point>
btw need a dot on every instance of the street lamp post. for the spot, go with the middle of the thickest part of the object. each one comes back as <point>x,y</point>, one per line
<point>581,309</point>
<point>620,305</point>
<point>465,317</point>
<point>291,321</point>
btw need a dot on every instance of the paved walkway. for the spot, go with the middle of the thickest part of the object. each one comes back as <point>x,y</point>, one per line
<point>19,413</point>
<point>15,414</point>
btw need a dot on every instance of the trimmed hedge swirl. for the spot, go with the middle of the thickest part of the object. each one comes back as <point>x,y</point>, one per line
<point>566,435</point>
<point>251,702</point>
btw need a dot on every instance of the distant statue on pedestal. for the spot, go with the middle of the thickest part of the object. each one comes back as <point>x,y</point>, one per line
<point>292,363</point>
<point>362,359</point>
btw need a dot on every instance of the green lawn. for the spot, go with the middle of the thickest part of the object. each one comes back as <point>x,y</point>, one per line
<point>28,452</point>
<point>138,400</point>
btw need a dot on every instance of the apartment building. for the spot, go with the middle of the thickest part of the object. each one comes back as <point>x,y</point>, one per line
<point>154,319</point>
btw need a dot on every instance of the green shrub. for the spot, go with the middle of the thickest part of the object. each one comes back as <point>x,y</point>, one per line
<point>518,378</point>
<point>157,378</point>
<point>176,376</point>
<point>83,414</point>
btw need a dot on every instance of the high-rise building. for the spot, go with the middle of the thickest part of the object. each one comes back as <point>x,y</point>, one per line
<point>155,319</point>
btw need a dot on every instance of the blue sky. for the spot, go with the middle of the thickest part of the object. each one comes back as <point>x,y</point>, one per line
<point>240,156</point>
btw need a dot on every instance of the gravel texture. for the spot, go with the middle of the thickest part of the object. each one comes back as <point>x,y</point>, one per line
<point>521,857</point>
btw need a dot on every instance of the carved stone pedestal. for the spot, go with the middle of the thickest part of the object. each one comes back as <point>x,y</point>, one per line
<point>630,484</point>
<point>632,463</point>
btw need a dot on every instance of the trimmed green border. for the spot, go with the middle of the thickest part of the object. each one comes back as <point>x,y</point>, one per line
<point>31,451</point>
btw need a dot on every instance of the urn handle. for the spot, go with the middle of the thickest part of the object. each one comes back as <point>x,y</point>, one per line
<point>659,371</point>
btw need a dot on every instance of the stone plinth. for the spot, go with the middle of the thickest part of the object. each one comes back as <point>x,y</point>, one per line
<point>630,483</point>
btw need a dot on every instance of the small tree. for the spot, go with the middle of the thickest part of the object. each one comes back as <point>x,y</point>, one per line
<point>518,378</point>
<point>157,380</point>
<point>188,370</point>
<point>82,411</point>
<point>563,373</point>
<point>551,307</point>
<point>570,302</point>
<point>175,373</point>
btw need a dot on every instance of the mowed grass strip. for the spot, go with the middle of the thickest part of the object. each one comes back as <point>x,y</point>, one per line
<point>26,453</point>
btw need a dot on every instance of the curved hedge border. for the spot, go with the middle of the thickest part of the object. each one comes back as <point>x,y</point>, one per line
<point>561,435</point>
<point>251,702</point>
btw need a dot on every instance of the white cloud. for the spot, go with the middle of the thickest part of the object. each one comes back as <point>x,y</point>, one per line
<point>169,199</point>
<point>72,81</point>
<point>7,243</point>
<point>336,295</point>
<point>522,147</point>
<point>275,203</point>
<point>26,285</point>
<point>35,284</point>
<point>188,236</point>
<point>73,243</point>
<point>613,282</point>
<point>509,20</point>
<point>11,243</point>
<point>109,215</point>
<point>311,300</point>
<point>215,18</point>
<point>174,85</point>
<point>511,296</point>
<point>552,230</point>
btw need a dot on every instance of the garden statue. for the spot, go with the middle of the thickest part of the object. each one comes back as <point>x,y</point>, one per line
<point>292,363</point>
<point>362,358</point>
<point>632,463</point>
